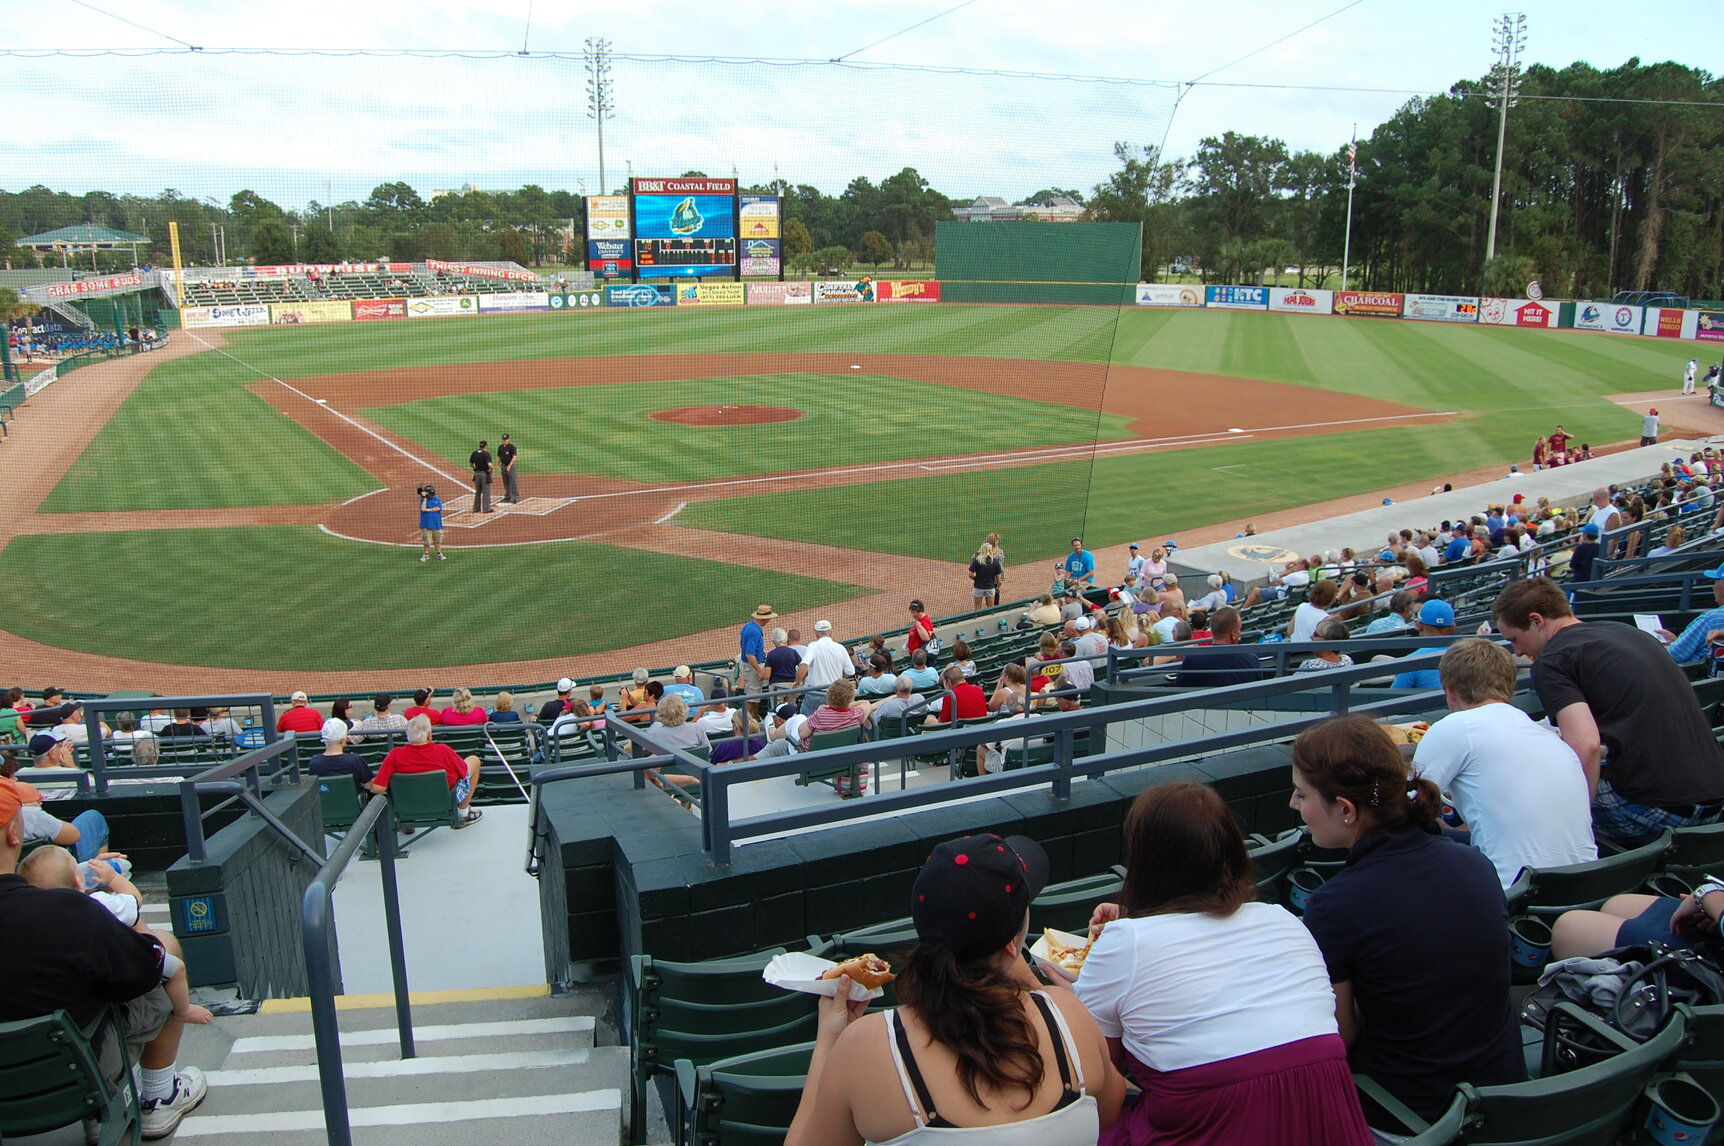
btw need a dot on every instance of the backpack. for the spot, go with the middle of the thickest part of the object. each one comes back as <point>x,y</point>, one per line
<point>1646,981</point>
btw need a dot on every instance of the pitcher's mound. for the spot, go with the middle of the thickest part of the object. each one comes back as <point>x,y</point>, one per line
<point>726,415</point>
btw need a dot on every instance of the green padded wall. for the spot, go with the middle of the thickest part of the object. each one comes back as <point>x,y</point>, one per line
<point>1095,263</point>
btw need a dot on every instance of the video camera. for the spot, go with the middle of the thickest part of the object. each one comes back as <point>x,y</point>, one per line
<point>427,491</point>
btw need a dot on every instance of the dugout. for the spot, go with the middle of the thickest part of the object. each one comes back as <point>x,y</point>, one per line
<point>1097,264</point>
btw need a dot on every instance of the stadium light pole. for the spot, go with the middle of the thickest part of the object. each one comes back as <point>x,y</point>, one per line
<point>599,107</point>
<point>1509,39</point>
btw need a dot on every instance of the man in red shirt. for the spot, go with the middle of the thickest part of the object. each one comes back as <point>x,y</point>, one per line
<point>421,754</point>
<point>422,698</point>
<point>301,717</point>
<point>972,702</point>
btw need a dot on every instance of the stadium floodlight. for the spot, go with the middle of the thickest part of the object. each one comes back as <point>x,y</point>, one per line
<point>599,106</point>
<point>1509,40</point>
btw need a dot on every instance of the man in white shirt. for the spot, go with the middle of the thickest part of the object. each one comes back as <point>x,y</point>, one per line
<point>1090,642</point>
<point>827,661</point>
<point>1518,785</point>
<point>1136,563</point>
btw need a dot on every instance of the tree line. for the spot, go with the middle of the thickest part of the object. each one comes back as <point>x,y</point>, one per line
<point>1620,190</point>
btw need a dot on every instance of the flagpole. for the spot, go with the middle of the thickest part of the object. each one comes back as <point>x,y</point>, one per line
<point>1352,170</point>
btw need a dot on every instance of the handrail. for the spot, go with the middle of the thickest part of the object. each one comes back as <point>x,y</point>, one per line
<point>572,772</point>
<point>218,780</point>
<point>315,932</point>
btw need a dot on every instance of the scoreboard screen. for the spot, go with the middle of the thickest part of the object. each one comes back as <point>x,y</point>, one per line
<point>686,256</point>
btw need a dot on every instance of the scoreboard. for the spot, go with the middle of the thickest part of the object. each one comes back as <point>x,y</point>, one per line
<point>686,256</point>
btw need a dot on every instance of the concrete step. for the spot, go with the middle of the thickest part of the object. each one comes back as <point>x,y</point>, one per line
<point>525,1067</point>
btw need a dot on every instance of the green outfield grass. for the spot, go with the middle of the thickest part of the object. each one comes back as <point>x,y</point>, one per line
<point>292,597</point>
<point>194,435</point>
<point>850,421</point>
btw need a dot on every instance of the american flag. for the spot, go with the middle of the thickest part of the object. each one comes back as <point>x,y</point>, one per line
<point>1352,157</point>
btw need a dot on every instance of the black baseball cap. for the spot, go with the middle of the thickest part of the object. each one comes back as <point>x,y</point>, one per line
<point>972,894</point>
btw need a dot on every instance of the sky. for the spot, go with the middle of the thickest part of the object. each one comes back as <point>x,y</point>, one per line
<point>328,127</point>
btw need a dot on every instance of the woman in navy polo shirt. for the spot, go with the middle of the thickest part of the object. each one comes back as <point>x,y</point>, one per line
<point>1414,928</point>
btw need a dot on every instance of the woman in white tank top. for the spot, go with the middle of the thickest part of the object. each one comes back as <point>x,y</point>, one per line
<point>979,1052</point>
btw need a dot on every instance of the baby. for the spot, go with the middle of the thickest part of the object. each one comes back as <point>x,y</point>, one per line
<point>55,867</point>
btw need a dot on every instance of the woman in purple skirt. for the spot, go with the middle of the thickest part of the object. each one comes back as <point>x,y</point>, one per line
<point>1218,1007</point>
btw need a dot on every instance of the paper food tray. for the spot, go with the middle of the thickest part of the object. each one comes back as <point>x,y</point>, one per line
<point>800,971</point>
<point>1042,955</point>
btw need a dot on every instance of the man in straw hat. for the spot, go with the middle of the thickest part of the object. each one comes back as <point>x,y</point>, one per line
<point>753,659</point>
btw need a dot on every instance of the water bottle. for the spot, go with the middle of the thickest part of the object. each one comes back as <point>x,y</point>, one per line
<point>122,868</point>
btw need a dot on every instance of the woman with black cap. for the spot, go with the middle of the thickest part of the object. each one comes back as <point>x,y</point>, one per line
<point>975,1043</point>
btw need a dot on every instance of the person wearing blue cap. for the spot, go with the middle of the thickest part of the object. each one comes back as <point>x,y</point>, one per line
<point>1584,553</point>
<point>1436,618</point>
<point>1696,640</point>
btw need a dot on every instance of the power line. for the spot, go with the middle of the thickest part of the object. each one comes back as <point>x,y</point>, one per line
<point>900,32</point>
<point>1282,40</point>
<point>135,24</point>
<point>853,65</point>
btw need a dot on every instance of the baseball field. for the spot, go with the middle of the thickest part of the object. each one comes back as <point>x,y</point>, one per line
<point>244,503</point>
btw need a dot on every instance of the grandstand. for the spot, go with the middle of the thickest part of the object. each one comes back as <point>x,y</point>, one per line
<point>239,286</point>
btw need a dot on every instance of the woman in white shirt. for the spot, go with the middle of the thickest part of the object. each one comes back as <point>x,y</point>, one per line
<point>1219,1007</point>
<point>1313,610</point>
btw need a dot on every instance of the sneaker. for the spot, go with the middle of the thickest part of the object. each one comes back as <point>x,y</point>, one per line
<point>424,557</point>
<point>162,1116</point>
<point>442,557</point>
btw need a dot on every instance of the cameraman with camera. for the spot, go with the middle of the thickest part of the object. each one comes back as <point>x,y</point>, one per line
<point>430,523</point>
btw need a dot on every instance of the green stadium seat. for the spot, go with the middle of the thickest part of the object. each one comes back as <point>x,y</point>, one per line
<point>340,801</point>
<point>50,1076</point>
<point>743,1100</point>
<point>846,779</point>
<point>1552,891</point>
<point>702,1012</point>
<point>422,800</point>
<point>1272,860</point>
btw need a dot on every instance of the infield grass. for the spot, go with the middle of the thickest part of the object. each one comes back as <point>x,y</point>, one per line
<point>293,597</point>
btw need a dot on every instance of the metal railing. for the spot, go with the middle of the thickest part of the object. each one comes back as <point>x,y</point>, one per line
<point>102,772</point>
<point>219,780</point>
<point>720,833</point>
<point>316,931</point>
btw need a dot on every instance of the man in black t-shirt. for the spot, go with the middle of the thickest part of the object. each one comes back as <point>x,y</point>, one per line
<point>64,951</point>
<point>1625,708</point>
<point>336,760</point>
<point>506,454</point>
<point>480,460</point>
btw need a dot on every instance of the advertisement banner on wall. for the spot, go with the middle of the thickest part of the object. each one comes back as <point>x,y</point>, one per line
<point>1168,294</point>
<point>641,294</point>
<point>250,314</point>
<point>1440,308</point>
<point>608,218</point>
<point>1515,312</point>
<point>1609,316</point>
<point>762,256</point>
<point>912,290</point>
<point>709,294</point>
<point>757,217</point>
<point>1236,297</point>
<point>519,300</point>
<point>1368,304</point>
<point>377,309</point>
<point>481,271</point>
<point>577,300</point>
<point>861,290</point>
<point>1664,322</point>
<point>1300,300</point>
<point>610,258</point>
<point>91,286</point>
<point>780,294</point>
<point>323,310</point>
<point>1709,326</point>
<point>442,305</point>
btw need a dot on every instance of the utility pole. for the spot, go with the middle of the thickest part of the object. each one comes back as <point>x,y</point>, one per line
<point>1509,40</point>
<point>1352,171</point>
<point>599,106</point>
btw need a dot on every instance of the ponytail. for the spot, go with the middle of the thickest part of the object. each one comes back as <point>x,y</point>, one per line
<point>973,1009</point>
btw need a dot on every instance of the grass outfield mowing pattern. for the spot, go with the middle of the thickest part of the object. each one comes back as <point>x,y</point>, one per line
<point>481,604</point>
<point>856,420</point>
<point>1145,497</point>
<point>1081,334</point>
<point>191,436</point>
